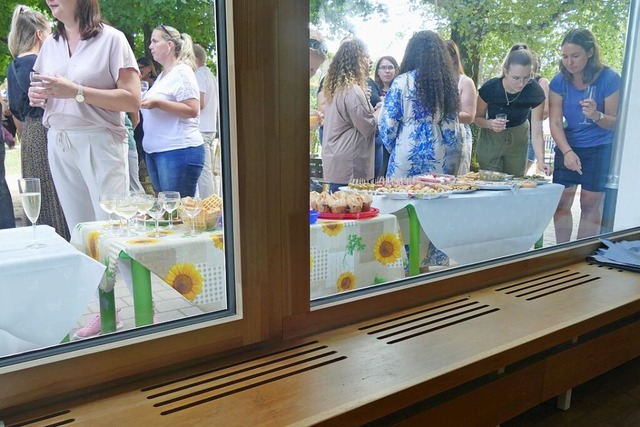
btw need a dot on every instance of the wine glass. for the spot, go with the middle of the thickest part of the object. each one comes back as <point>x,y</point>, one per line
<point>144,87</point>
<point>144,203</point>
<point>156,211</point>
<point>191,206</point>
<point>127,208</point>
<point>588,93</point>
<point>108,204</point>
<point>30,196</point>
<point>170,200</point>
<point>35,77</point>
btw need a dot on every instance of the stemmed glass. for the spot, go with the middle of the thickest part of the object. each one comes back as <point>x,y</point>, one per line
<point>108,204</point>
<point>144,87</point>
<point>170,200</point>
<point>30,196</point>
<point>127,208</point>
<point>35,77</point>
<point>156,211</point>
<point>144,203</point>
<point>191,206</point>
<point>588,93</point>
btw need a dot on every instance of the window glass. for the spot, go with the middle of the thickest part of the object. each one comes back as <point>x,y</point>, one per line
<point>162,271</point>
<point>402,191</point>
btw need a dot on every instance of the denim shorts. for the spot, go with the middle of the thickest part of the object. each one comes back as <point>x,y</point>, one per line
<point>176,170</point>
<point>595,163</point>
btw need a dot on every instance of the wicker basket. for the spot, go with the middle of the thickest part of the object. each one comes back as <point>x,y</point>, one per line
<point>208,216</point>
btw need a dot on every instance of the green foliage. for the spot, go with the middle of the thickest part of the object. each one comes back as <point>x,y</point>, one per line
<point>137,19</point>
<point>336,13</point>
<point>486,29</point>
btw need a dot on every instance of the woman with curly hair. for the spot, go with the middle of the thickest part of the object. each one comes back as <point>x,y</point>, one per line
<point>349,119</point>
<point>503,140</point>
<point>419,116</point>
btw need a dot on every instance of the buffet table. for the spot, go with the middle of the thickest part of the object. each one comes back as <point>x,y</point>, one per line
<point>192,266</point>
<point>480,225</point>
<point>43,292</point>
<point>352,254</point>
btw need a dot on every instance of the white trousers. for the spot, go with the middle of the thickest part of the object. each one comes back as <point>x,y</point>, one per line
<point>134,170</point>
<point>86,163</point>
<point>210,179</point>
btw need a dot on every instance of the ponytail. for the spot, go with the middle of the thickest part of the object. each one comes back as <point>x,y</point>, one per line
<point>185,54</point>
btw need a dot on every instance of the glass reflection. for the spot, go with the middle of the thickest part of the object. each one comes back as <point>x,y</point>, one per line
<point>453,221</point>
<point>152,278</point>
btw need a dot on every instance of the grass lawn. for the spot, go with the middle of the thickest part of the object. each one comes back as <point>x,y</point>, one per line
<point>12,161</point>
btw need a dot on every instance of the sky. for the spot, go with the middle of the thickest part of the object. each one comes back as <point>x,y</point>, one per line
<point>387,38</point>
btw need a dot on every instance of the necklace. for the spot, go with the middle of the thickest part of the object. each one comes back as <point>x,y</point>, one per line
<point>511,101</point>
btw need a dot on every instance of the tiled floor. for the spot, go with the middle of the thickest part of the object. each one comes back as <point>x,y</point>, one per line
<point>610,400</point>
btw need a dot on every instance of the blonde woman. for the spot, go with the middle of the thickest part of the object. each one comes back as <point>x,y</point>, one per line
<point>350,121</point>
<point>173,144</point>
<point>29,29</point>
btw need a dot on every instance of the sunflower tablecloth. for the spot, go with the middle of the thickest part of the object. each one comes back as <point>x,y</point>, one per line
<point>351,254</point>
<point>193,266</point>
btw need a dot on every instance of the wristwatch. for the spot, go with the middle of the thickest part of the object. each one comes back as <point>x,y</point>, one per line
<point>80,94</point>
<point>600,117</point>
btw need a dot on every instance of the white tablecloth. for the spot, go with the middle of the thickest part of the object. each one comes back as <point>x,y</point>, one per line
<point>43,292</point>
<point>482,225</point>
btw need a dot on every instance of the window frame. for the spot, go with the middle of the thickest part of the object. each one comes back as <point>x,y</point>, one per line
<point>268,99</point>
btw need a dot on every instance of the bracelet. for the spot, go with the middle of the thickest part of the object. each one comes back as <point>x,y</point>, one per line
<point>566,152</point>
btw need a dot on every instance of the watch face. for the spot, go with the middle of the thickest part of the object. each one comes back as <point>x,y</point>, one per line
<point>80,97</point>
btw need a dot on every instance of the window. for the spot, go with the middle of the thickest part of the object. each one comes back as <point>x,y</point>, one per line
<point>267,119</point>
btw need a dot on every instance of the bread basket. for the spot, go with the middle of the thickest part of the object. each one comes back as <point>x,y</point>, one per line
<point>208,216</point>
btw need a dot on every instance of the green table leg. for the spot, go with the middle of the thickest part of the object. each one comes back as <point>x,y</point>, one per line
<point>107,303</point>
<point>539,243</point>
<point>142,296</point>
<point>414,241</point>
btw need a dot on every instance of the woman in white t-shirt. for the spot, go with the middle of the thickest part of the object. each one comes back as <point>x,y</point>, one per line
<point>173,145</point>
<point>88,76</point>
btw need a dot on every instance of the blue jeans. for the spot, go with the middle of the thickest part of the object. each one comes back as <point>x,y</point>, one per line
<point>176,170</point>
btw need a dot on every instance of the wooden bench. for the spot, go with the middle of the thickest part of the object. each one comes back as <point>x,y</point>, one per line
<point>475,359</point>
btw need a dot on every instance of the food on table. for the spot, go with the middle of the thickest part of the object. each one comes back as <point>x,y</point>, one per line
<point>437,178</point>
<point>528,184</point>
<point>494,176</point>
<point>340,202</point>
<point>209,214</point>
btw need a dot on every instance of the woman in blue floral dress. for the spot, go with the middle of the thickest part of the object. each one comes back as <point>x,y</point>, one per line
<point>419,118</point>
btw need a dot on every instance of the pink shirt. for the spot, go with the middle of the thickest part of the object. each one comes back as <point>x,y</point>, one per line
<point>96,63</point>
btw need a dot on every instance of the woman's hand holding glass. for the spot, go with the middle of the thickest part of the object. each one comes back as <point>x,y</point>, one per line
<point>37,95</point>
<point>588,104</point>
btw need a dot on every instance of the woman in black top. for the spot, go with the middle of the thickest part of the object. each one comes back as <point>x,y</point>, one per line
<point>502,144</point>
<point>29,29</point>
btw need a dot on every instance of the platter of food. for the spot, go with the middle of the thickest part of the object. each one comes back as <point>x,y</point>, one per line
<point>372,212</point>
<point>497,185</point>
<point>436,178</point>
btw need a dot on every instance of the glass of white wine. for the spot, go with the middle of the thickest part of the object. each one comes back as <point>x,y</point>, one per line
<point>30,196</point>
<point>170,200</point>
<point>127,208</point>
<point>35,78</point>
<point>108,204</point>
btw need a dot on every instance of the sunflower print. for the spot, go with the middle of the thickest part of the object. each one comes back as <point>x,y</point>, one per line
<point>387,249</point>
<point>143,241</point>
<point>332,228</point>
<point>92,244</point>
<point>346,281</point>
<point>186,279</point>
<point>218,240</point>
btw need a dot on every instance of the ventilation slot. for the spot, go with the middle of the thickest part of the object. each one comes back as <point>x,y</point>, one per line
<point>210,385</point>
<point>50,420</point>
<point>422,322</point>
<point>547,285</point>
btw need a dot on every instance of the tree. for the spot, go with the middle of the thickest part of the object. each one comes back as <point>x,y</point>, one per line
<point>336,13</point>
<point>485,29</point>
